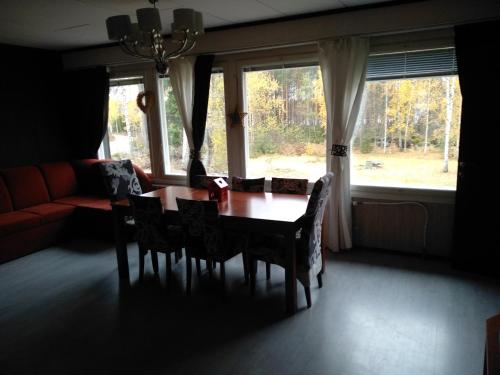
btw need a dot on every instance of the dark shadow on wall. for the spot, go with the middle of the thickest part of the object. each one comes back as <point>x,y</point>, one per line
<point>31,130</point>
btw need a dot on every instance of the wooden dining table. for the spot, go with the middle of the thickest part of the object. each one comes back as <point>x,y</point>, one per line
<point>271,213</point>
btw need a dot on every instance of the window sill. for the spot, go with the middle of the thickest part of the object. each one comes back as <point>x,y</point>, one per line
<point>403,194</point>
<point>170,180</point>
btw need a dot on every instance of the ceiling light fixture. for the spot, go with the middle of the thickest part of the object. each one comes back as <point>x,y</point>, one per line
<point>143,39</point>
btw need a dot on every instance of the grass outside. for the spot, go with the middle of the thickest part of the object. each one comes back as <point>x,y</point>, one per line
<point>411,169</point>
<point>272,165</point>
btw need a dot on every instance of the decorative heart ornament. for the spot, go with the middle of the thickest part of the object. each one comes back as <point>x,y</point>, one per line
<point>145,100</point>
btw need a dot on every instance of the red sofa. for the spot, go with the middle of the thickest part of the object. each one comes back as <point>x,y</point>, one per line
<point>40,205</point>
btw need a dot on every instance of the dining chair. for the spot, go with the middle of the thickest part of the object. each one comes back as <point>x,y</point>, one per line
<point>289,185</point>
<point>286,186</point>
<point>201,181</point>
<point>205,237</point>
<point>249,185</point>
<point>272,248</point>
<point>154,234</point>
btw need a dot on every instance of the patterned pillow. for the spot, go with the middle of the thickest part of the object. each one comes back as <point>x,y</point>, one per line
<point>120,179</point>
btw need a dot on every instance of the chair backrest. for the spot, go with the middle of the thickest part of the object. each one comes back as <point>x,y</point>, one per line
<point>201,181</point>
<point>310,239</point>
<point>201,226</point>
<point>289,185</point>
<point>151,229</point>
<point>249,185</point>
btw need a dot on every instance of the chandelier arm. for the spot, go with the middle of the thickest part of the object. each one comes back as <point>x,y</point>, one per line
<point>125,48</point>
<point>187,45</point>
<point>132,51</point>
<point>179,50</point>
<point>178,53</point>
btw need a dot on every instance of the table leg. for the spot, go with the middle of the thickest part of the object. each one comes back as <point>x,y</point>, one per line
<point>121,244</point>
<point>291,273</point>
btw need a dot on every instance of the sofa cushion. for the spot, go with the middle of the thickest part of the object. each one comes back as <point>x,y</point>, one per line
<point>60,178</point>
<point>26,186</point>
<point>90,181</point>
<point>50,212</point>
<point>5,202</point>
<point>120,179</point>
<point>16,221</point>
<point>87,201</point>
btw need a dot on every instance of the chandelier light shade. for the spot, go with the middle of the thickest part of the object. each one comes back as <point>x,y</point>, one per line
<point>144,39</point>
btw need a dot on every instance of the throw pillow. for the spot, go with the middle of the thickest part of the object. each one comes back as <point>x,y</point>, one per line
<point>120,179</point>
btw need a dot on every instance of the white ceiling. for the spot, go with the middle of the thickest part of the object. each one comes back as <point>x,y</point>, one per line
<point>66,24</point>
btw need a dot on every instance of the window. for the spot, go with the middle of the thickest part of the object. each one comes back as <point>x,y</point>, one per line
<point>214,150</point>
<point>407,133</point>
<point>127,126</point>
<point>176,149</point>
<point>286,121</point>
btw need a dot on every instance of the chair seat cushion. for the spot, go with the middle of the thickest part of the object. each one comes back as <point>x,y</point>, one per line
<point>271,248</point>
<point>17,221</point>
<point>86,201</point>
<point>50,212</point>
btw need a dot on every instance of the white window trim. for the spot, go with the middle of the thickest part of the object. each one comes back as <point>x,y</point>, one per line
<point>233,64</point>
<point>148,74</point>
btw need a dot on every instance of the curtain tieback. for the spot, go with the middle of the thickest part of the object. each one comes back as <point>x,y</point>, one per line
<point>339,150</point>
<point>194,154</point>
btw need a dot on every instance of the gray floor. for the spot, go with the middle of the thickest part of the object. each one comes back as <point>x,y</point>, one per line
<point>62,312</point>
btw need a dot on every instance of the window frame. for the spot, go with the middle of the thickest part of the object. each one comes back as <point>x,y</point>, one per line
<point>232,64</point>
<point>148,75</point>
<point>290,61</point>
<point>431,195</point>
<point>235,64</point>
<point>161,177</point>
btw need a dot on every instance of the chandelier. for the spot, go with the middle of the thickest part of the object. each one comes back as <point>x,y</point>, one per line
<point>143,39</point>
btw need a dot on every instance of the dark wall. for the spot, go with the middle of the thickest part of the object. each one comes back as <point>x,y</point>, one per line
<point>30,107</point>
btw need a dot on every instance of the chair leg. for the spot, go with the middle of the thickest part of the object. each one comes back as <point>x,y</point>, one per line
<point>223,277</point>
<point>308,296</point>
<point>176,256</point>
<point>268,270</point>
<point>245,266</point>
<point>198,267</point>
<point>188,274</point>
<point>320,280</point>
<point>253,271</point>
<point>154,260</point>
<point>210,269</point>
<point>141,263</point>
<point>214,264</point>
<point>168,270</point>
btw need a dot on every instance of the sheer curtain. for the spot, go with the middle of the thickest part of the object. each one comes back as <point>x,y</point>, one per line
<point>343,68</point>
<point>181,73</point>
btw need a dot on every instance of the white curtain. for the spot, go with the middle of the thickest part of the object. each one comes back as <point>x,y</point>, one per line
<point>343,69</point>
<point>181,73</point>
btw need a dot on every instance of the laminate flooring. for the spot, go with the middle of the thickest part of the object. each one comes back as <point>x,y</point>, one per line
<point>62,312</point>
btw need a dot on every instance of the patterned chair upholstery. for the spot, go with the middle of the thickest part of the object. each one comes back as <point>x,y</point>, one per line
<point>248,185</point>
<point>284,186</point>
<point>205,237</point>
<point>289,185</point>
<point>201,181</point>
<point>272,249</point>
<point>153,234</point>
